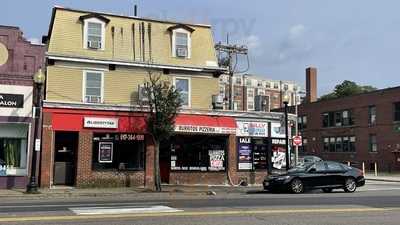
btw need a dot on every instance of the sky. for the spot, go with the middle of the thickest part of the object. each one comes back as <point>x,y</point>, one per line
<point>356,40</point>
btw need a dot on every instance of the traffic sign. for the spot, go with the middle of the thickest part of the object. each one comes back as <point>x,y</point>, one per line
<point>297,140</point>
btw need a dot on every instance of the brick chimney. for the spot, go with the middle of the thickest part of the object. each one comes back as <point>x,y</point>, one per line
<point>311,85</point>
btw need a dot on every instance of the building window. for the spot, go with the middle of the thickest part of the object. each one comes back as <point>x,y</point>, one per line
<point>397,111</point>
<point>238,81</point>
<point>285,87</point>
<point>12,155</point>
<point>94,34</point>
<point>267,84</point>
<point>183,86</point>
<point>339,144</point>
<point>337,119</point>
<point>238,92</point>
<point>198,153</point>
<point>250,99</point>
<point>302,122</point>
<point>276,85</point>
<point>118,151</point>
<point>373,146</point>
<point>248,82</point>
<point>93,87</point>
<point>259,83</point>
<point>372,115</point>
<point>181,43</point>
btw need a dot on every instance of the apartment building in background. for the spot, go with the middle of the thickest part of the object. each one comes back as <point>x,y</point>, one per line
<point>255,93</point>
<point>19,61</point>
<point>363,128</point>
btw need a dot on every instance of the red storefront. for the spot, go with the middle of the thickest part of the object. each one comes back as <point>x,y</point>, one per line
<point>99,148</point>
<point>89,148</point>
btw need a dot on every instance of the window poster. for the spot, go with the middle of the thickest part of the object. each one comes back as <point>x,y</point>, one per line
<point>278,153</point>
<point>105,152</point>
<point>245,153</point>
<point>217,158</point>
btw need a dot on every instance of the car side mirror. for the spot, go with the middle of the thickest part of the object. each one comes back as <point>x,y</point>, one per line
<point>312,170</point>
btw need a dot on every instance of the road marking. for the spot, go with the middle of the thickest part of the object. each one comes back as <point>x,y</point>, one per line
<point>379,189</point>
<point>201,213</point>
<point>82,205</point>
<point>122,210</point>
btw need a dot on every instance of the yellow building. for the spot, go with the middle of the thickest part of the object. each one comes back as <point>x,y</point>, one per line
<point>100,58</point>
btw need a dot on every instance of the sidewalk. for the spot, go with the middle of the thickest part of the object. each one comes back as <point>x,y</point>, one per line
<point>168,191</point>
<point>389,177</point>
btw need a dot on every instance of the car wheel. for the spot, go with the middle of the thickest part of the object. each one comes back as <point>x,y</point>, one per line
<point>350,185</point>
<point>296,186</point>
<point>327,190</point>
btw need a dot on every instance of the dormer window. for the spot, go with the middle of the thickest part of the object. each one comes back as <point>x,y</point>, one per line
<point>181,41</point>
<point>94,27</point>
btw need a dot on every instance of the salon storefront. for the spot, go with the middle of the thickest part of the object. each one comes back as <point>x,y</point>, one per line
<point>94,148</point>
<point>15,135</point>
<point>198,152</point>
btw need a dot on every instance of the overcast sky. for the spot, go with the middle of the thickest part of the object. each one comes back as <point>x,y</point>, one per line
<point>357,40</point>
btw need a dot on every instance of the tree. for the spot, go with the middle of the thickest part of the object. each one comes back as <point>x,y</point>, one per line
<point>347,88</point>
<point>164,101</point>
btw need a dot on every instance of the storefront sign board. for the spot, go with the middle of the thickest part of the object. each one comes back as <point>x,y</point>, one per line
<point>244,153</point>
<point>97,122</point>
<point>11,100</point>
<point>252,129</point>
<point>204,129</point>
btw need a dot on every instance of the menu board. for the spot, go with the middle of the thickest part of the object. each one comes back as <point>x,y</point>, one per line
<point>105,152</point>
<point>245,154</point>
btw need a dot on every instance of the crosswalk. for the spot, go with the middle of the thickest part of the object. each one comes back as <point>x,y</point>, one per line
<point>123,210</point>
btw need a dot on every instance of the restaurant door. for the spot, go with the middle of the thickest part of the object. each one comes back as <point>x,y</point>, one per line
<point>66,144</point>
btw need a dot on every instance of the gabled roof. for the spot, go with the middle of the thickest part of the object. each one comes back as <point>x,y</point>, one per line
<point>183,26</point>
<point>94,15</point>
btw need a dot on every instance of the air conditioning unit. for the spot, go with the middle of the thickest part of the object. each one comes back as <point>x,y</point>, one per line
<point>181,52</point>
<point>94,44</point>
<point>143,94</point>
<point>261,103</point>
<point>218,102</point>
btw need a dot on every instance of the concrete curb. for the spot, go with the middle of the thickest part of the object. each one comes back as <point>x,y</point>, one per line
<point>383,179</point>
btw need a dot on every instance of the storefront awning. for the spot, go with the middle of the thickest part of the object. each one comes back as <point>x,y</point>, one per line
<point>205,124</point>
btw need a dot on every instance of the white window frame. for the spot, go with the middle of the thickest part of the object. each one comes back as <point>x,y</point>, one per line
<point>252,99</point>
<point>189,38</point>
<point>85,32</point>
<point>84,86</point>
<point>189,90</point>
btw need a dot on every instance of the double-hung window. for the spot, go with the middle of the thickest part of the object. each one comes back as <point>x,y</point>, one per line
<point>93,87</point>
<point>181,43</point>
<point>396,111</point>
<point>371,115</point>
<point>183,86</point>
<point>94,34</point>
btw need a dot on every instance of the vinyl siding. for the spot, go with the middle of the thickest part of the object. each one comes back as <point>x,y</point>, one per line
<point>67,39</point>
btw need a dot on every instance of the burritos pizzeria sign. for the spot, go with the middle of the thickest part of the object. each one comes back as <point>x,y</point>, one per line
<point>11,100</point>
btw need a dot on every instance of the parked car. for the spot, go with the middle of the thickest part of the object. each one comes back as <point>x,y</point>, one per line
<point>325,175</point>
<point>307,160</point>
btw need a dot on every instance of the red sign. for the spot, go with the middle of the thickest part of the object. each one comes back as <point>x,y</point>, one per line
<point>297,140</point>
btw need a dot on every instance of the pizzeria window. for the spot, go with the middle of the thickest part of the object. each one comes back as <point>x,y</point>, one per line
<point>198,153</point>
<point>118,151</point>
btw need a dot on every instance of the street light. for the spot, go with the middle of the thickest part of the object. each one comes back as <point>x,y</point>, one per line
<point>38,79</point>
<point>286,102</point>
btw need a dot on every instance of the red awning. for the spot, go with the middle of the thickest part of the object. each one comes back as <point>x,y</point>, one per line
<point>205,124</point>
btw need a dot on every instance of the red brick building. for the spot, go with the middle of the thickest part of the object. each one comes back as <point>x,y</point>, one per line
<point>359,128</point>
<point>19,60</point>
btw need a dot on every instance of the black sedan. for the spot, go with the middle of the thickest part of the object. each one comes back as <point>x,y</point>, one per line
<point>325,175</point>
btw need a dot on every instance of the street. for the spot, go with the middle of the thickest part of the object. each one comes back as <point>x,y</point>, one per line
<point>376,203</point>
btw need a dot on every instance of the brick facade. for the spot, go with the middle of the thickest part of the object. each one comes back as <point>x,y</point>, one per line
<point>388,140</point>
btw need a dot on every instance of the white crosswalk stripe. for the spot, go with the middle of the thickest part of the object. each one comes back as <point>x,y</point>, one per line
<point>122,210</point>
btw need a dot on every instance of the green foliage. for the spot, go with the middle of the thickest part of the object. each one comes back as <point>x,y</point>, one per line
<point>164,102</point>
<point>347,88</point>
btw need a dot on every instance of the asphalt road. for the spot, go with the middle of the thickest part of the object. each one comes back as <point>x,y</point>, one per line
<point>376,203</point>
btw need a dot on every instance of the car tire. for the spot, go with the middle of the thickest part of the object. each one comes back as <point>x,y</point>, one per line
<point>297,186</point>
<point>327,190</point>
<point>350,185</point>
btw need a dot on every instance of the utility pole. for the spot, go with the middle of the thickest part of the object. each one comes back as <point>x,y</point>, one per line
<point>231,51</point>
